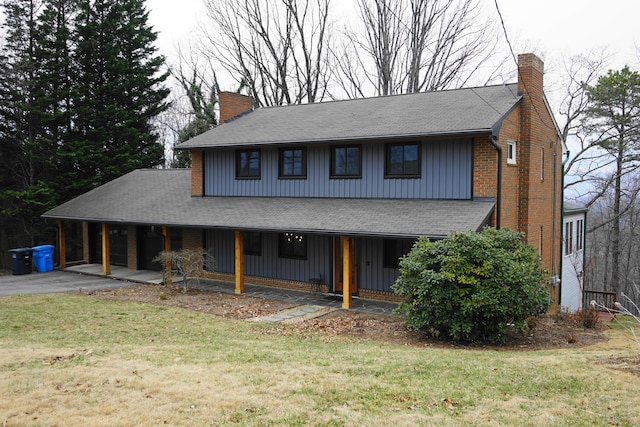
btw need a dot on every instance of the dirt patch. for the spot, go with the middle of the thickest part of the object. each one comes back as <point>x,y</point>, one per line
<point>216,303</point>
<point>626,364</point>
<point>552,331</point>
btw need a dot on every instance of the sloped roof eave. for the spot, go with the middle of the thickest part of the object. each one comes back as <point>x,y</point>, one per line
<point>364,138</point>
<point>160,197</point>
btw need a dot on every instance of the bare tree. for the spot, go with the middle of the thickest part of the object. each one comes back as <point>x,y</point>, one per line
<point>414,45</point>
<point>276,50</point>
<point>586,169</point>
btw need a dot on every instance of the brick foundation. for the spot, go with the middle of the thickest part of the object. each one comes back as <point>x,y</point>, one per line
<point>379,295</point>
<point>301,286</point>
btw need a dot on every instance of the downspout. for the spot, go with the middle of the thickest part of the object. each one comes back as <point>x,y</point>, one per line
<point>492,140</point>
<point>584,255</point>
<point>562,228</point>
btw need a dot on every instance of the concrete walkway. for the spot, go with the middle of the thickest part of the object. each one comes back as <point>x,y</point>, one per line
<point>89,277</point>
<point>56,282</point>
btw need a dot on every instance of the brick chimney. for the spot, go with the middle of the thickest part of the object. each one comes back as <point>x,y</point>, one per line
<point>233,104</point>
<point>539,171</point>
<point>530,86</point>
<point>530,78</point>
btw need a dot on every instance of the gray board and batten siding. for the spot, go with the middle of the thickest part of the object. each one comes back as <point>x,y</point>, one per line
<point>372,274</point>
<point>446,173</point>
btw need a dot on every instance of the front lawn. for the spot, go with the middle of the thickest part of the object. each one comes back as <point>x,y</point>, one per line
<point>76,361</point>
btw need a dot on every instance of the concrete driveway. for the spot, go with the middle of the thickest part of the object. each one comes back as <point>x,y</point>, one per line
<point>55,282</point>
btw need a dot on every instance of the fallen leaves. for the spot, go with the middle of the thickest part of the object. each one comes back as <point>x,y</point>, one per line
<point>55,359</point>
<point>450,404</point>
<point>549,331</point>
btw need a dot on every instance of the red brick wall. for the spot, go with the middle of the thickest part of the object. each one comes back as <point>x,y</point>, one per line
<point>511,202</point>
<point>485,171</point>
<point>233,104</point>
<point>197,173</point>
<point>539,144</point>
<point>192,238</point>
<point>529,203</point>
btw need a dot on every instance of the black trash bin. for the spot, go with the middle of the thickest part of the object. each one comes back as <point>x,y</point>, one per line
<point>21,261</point>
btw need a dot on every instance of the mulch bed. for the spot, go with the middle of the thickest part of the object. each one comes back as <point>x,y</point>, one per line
<point>552,331</point>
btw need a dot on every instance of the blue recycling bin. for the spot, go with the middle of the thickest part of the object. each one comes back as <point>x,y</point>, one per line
<point>43,258</point>
<point>21,261</point>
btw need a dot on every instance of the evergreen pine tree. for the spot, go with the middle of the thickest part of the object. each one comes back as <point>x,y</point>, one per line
<point>80,83</point>
<point>26,152</point>
<point>119,91</point>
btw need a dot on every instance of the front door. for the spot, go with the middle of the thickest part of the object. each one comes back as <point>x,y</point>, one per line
<point>338,271</point>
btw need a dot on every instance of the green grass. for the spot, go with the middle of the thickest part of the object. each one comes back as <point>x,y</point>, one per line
<point>73,360</point>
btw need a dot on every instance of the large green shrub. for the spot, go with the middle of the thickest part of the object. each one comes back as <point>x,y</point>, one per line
<point>472,286</point>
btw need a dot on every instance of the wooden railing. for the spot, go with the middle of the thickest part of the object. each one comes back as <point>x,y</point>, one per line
<point>602,299</point>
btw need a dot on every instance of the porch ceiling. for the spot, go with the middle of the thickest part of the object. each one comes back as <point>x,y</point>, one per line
<point>162,197</point>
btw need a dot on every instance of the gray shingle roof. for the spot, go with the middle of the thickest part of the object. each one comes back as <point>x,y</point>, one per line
<point>571,207</point>
<point>460,111</point>
<point>162,197</point>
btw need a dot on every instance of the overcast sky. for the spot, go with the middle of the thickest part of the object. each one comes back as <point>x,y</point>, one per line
<point>554,29</point>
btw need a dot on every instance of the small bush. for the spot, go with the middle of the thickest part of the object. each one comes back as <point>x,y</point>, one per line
<point>188,263</point>
<point>472,286</point>
<point>587,318</point>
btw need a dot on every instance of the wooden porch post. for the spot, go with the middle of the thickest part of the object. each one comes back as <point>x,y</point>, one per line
<point>347,300</point>
<point>239,262</point>
<point>166,233</point>
<point>106,255</point>
<point>62,249</point>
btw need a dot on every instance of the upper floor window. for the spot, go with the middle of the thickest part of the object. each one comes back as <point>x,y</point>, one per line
<point>511,152</point>
<point>248,163</point>
<point>292,245</point>
<point>346,161</point>
<point>293,163</point>
<point>402,160</point>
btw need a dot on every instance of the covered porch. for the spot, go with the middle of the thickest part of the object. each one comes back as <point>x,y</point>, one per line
<point>250,290</point>
<point>160,199</point>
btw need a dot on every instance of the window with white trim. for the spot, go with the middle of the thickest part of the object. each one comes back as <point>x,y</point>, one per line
<point>511,152</point>
<point>568,238</point>
<point>579,234</point>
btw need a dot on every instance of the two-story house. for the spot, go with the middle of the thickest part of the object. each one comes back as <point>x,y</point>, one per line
<point>331,194</point>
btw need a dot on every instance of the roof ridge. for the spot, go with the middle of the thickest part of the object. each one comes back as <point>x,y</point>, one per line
<point>395,95</point>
